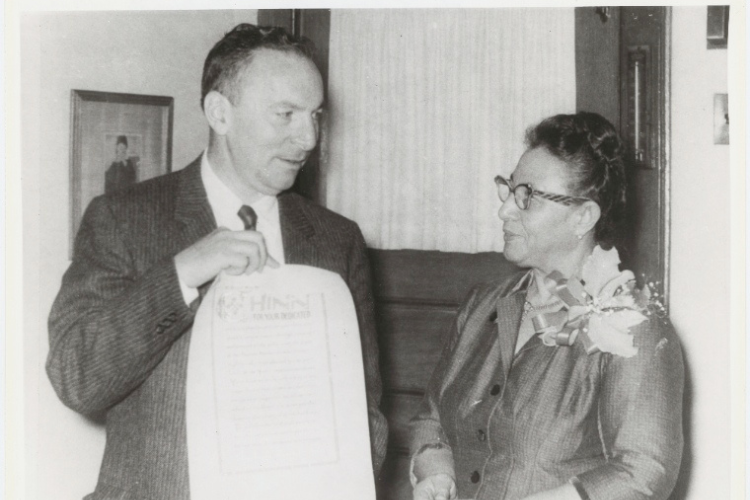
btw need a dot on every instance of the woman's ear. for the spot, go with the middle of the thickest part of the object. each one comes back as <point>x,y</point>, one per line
<point>587,216</point>
<point>218,111</point>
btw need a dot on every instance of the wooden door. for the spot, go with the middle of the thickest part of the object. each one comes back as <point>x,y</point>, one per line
<point>315,24</point>
<point>622,73</point>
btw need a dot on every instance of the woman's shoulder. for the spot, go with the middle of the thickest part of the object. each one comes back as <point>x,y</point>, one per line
<point>655,332</point>
<point>654,340</point>
<point>484,296</point>
<point>514,282</point>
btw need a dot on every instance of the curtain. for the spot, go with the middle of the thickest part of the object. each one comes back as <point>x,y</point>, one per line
<point>427,106</point>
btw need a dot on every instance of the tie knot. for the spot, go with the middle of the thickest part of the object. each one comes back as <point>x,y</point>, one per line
<point>248,217</point>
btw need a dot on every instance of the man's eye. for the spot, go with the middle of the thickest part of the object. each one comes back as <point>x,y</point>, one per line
<point>284,114</point>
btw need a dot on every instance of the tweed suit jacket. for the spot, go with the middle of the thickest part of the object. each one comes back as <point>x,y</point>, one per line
<point>120,329</point>
<point>507,425</point>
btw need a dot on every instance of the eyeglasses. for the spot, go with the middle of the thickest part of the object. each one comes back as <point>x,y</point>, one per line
<point>524,192</point>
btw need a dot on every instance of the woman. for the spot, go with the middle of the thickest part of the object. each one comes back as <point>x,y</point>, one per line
<point>563,385</point>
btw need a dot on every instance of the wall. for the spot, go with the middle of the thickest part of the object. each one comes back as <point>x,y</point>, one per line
<point>157,53</point>
<point>700,268</point>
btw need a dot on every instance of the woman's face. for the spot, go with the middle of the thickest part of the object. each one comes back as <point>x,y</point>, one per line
<point>543,235</point>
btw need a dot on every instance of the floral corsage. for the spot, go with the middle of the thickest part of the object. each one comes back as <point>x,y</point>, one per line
<point>599,309</point>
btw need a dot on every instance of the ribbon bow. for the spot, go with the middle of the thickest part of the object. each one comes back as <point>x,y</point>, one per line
<point>567,326</point>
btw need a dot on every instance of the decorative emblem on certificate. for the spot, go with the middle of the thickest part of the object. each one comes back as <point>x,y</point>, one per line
<point>230,306</point>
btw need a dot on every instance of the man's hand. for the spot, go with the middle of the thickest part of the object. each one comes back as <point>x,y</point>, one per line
<point>437,487</point>
<point>234,252</point>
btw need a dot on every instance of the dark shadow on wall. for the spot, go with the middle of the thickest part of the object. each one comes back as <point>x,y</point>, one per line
<point>682,488</point>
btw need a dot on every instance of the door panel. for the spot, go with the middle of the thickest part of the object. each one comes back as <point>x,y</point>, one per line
<point>622,74</point>
<point>597,61</point>
<point>644,115</point>
<point>406,359</point>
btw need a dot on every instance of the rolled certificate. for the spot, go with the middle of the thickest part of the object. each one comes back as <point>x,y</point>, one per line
<point>276,404</point>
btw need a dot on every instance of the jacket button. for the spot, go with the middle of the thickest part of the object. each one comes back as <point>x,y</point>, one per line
<point>475,477</point>
<point>495,390</point>
<point>481,436</point>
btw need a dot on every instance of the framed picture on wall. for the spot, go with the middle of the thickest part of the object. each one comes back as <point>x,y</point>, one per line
<point>116,140</point>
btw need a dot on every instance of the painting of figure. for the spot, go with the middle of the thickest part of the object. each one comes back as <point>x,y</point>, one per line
<point>123,171</point>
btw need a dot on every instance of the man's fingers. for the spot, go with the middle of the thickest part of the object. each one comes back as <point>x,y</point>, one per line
<point>237,263</point>
<point>234,270</point>
<point>254,262</point>
<point>421,494</point>
<point>271,262</point>
<point>234,252</point>
<point>253,240</point>
<point>254,244</point>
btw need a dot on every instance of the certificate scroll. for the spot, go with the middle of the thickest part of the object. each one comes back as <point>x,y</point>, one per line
<point>276,404</point>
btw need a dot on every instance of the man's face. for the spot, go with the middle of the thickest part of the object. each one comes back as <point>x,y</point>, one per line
<point>121,152</point>
<point>274,123</point>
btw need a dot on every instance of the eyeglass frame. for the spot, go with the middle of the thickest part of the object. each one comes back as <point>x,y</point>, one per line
<point>563,199</point>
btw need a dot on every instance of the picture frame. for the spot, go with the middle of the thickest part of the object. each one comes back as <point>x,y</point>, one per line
<point>116,140</point>
<point>717,26</point>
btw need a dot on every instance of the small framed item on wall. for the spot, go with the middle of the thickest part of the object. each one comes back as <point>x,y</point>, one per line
<point>717,29</point>
<point>117,140</point>
<point>721,119</point>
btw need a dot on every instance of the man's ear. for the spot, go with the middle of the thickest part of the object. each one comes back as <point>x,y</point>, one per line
<point>218,111</point>
<point>588,215</point>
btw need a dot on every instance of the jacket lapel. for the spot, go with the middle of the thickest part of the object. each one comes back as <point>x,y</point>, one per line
<point>193,214</point>
<point>509,311</point>
<point>296,231</point>
<point>192,211</point>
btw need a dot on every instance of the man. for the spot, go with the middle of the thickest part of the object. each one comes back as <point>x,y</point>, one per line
<point>122,172</point>
<point>121,324</point>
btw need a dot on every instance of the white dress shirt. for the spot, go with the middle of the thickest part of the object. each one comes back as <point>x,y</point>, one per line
<point>225,205</point>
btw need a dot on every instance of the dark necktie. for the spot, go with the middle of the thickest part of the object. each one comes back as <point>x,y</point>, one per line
<point>248,216</point>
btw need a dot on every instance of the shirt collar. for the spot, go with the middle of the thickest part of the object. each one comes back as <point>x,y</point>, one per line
<point>225,204</point>
<point>524,282</point>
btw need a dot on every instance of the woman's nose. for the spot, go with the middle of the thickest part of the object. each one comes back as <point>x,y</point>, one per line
<point>509,209</point>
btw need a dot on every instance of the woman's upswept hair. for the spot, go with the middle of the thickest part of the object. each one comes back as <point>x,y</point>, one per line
<point>594,153</point>
<point>233,53</point>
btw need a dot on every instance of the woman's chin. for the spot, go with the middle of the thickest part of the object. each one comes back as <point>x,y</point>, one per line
<point>513,254</point>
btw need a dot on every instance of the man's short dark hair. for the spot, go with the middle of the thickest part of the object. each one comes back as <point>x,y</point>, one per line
<point>122,139</point>
<point>233,53</point>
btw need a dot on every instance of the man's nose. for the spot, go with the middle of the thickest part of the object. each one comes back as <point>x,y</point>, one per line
<point>306,135</point>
